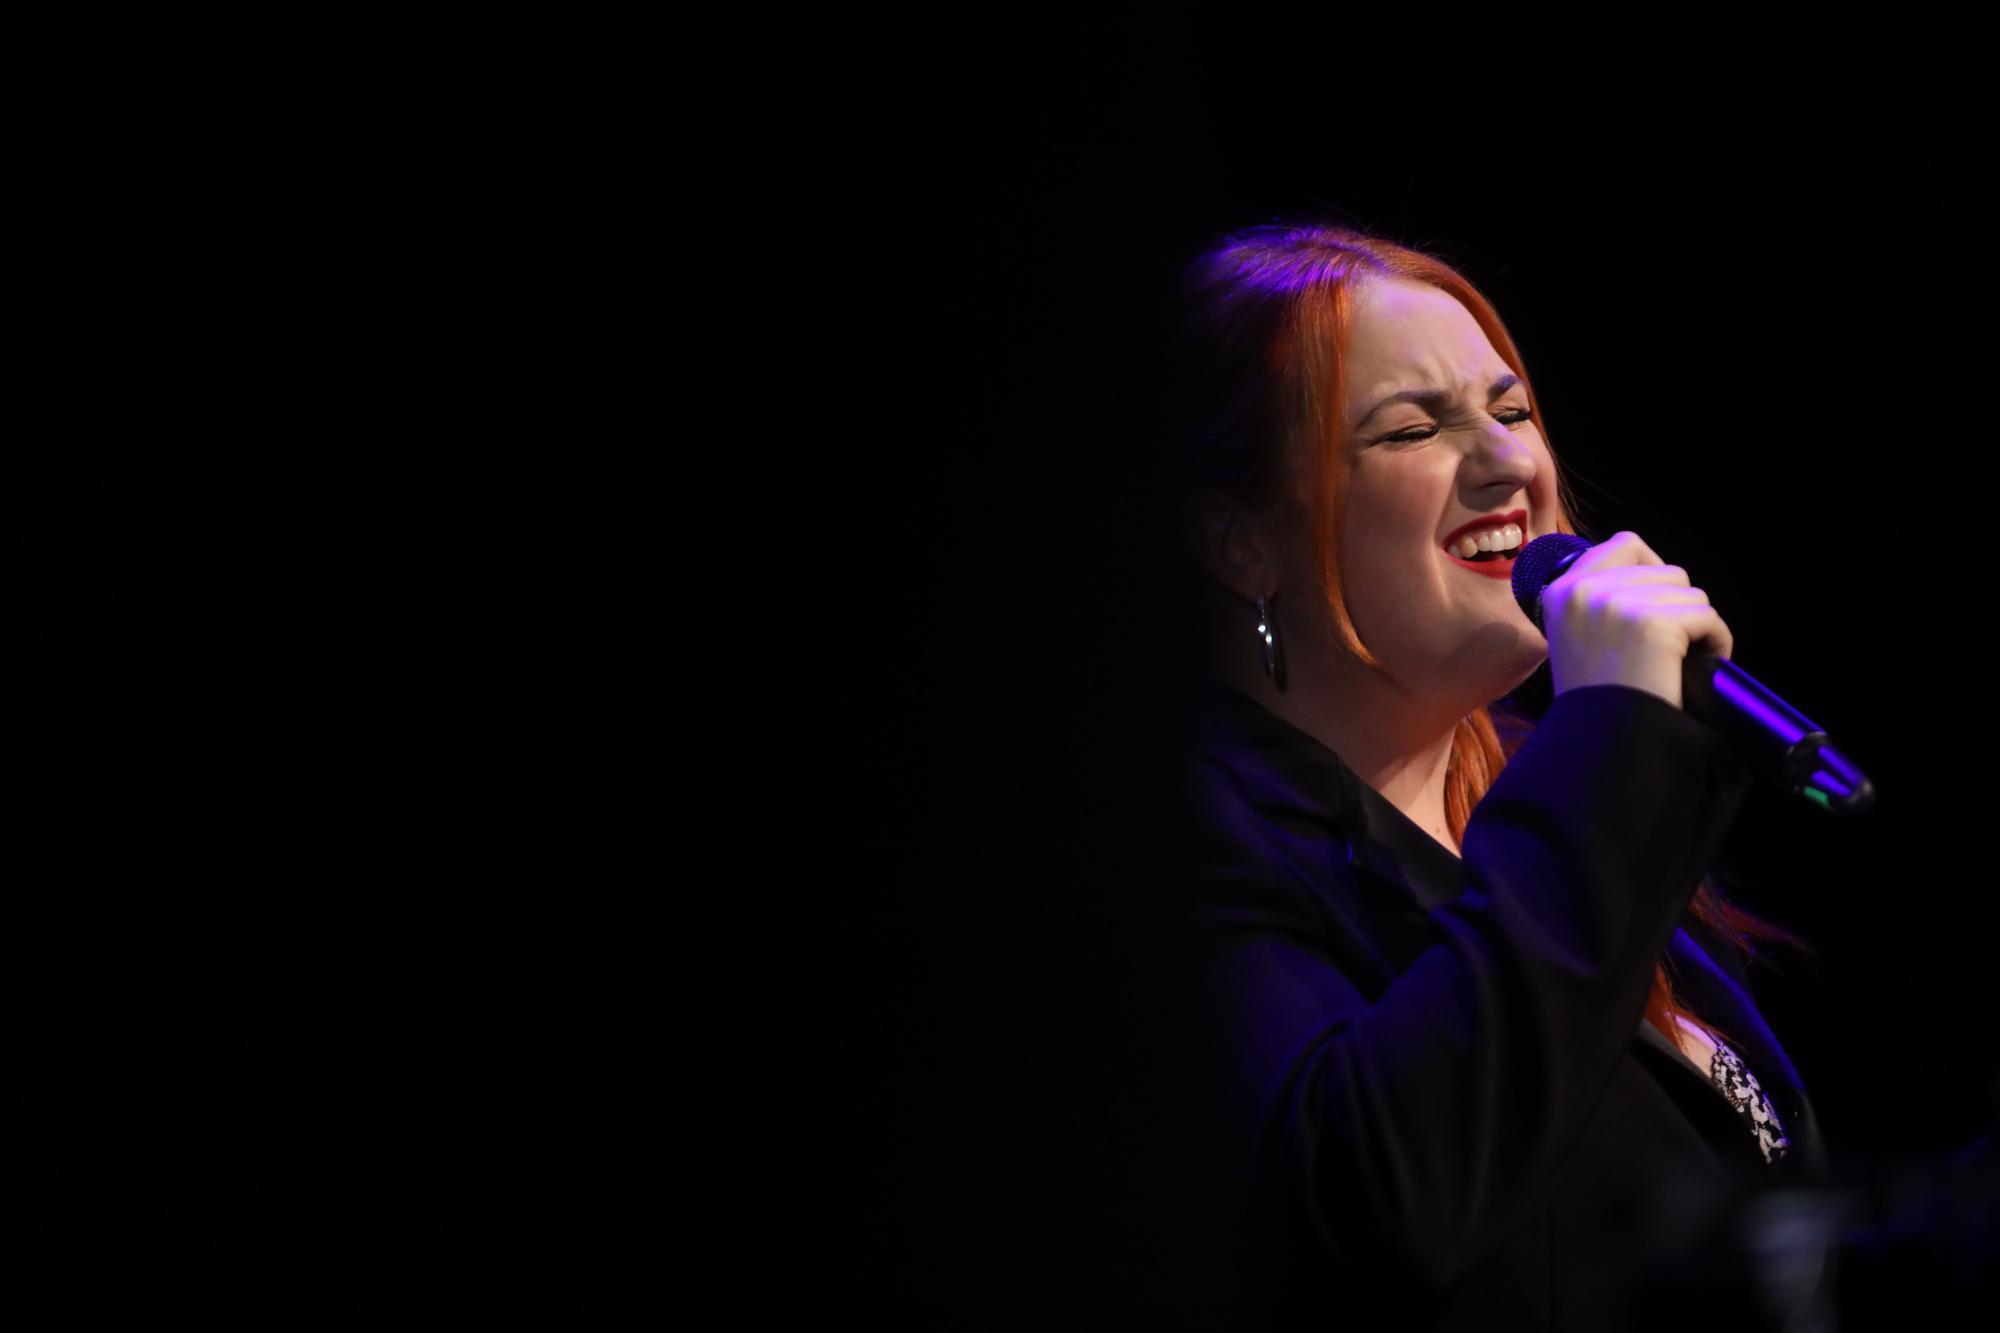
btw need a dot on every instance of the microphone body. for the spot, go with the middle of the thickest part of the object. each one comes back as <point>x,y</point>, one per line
<point>1776,740</point>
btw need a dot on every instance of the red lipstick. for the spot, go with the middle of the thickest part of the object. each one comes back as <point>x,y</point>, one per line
<point>1492,569</point>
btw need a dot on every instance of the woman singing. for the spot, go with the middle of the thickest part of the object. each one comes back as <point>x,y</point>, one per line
<point>1479,1027</point>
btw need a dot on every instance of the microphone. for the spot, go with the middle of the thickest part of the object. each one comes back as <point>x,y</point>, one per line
<point>1775,739</point>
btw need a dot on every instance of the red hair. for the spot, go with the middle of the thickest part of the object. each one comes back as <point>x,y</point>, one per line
<point>1268,325</point>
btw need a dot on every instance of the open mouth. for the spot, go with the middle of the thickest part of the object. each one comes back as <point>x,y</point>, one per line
<point>1493,564</point>
<point>1489,545</point>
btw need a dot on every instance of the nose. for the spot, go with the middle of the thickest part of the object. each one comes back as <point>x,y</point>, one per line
<point>1498,462</point>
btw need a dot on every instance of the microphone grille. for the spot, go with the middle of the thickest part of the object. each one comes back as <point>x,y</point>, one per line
<point>1540,563</point>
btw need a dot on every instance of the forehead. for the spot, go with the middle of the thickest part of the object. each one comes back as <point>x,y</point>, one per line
<point>1409,335</point>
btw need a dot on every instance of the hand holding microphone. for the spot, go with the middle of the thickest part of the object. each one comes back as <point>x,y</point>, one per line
<point>1622,616</point>
<point>1616,614</point>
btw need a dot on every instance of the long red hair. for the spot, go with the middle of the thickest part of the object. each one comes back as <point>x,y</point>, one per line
<point>1270,309</point>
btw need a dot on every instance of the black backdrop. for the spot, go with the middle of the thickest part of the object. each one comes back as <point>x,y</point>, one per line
<point>256,1001</point>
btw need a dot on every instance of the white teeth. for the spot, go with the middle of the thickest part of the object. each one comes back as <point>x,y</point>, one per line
<point>1503,538</point>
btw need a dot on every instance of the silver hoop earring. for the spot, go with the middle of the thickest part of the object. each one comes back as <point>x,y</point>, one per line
<point>1273,651</point>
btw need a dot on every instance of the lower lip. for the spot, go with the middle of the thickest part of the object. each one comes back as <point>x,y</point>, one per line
<point>1492,569</point>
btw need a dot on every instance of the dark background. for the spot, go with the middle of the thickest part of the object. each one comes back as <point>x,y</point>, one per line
<point>1747,261</point>
<point>270,1037</point>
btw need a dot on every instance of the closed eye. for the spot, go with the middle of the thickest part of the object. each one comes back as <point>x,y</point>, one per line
<point>1415,434</point>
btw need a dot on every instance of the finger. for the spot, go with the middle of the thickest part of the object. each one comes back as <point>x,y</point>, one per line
<point>1624,548</point>
<point>1633,575</point>
<point>1704,627</point>
<point>1596,586</point>
<point>1635,602</point>
<point>1644,595</point>
<point>1648,603</point>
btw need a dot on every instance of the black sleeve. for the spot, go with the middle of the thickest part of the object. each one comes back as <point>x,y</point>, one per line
<point>1419,1123</point>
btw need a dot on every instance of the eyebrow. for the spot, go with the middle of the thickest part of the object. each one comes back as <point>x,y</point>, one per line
<point>1433,399</point>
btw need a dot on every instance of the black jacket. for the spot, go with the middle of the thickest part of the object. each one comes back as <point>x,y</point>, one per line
<point>1434,1075</point>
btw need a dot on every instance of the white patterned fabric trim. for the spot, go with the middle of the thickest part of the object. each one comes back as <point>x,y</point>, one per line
<point>1740,1086</point>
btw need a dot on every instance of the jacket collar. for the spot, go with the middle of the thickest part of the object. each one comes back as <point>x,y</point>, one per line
<point>1287,773</point>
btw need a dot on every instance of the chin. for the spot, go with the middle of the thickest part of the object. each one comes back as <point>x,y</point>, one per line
<point>1501,656</point>
<point>1519,680</point>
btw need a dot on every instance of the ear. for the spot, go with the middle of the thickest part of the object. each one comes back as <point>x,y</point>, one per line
<point>1238,548</point>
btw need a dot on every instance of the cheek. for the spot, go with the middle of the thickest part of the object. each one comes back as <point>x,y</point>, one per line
<point>1385,579</point>
<point>1386,535</point>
